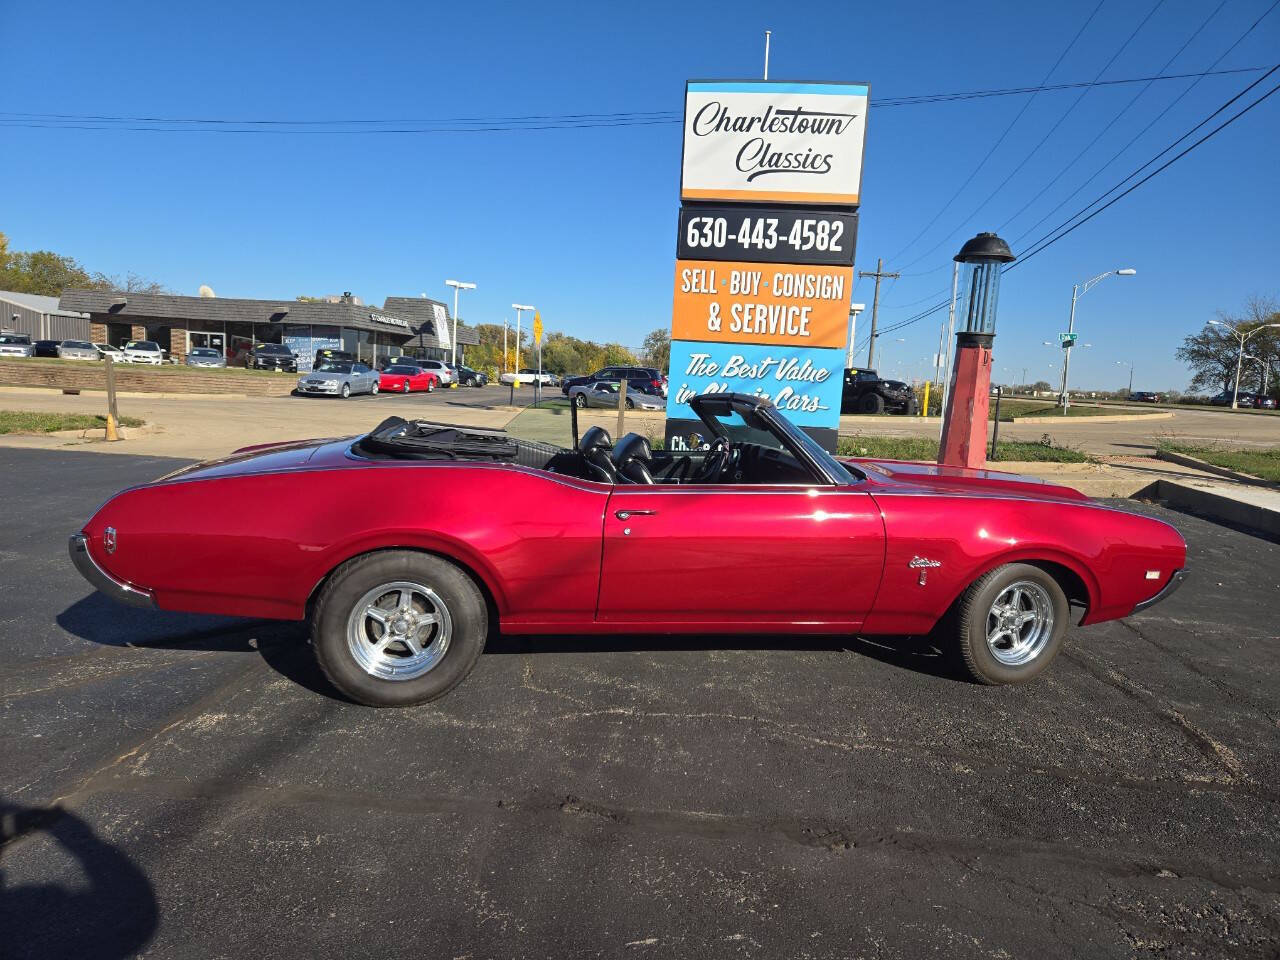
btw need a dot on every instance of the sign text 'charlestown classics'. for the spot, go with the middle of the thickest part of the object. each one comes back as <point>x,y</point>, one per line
<point>763,141</point>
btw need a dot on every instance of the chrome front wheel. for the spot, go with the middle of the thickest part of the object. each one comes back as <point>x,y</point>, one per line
<point>399,630</point>
<point>1019,623</point>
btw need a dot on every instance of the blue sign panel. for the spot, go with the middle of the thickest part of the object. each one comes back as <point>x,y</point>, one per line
<point>803,382</point>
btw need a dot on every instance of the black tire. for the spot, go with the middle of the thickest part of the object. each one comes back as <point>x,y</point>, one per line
<point>971,622</point>
<point>346,391</point>
<point>871,403</point>
<point>630,404</point>
<point>353,581</point>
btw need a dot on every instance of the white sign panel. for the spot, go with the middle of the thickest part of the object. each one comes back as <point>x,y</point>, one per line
<point>774,142</point>
<point>441,317</point>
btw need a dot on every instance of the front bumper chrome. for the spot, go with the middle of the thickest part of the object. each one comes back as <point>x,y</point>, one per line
<point>102,581</point>
<point>1174,583</point>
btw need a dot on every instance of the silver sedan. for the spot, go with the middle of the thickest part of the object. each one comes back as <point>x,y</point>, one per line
<point>77,350</point>
<point>339,378</point>
<point>601,393</point>
<point>206,357</point>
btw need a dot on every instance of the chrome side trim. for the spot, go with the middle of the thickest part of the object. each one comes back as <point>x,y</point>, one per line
<point>1174,583</point>
<point>99,579</point>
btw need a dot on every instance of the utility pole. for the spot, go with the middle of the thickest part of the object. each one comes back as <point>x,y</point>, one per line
<point>875,306</point>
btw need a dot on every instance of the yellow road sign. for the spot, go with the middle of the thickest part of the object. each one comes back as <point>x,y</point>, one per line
<point>537,328</point>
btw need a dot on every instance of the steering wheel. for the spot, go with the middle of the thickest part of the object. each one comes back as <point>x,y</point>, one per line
<point>716,460</point>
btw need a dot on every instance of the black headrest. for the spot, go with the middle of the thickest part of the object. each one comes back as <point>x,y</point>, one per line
<point>633,446</point>
<point>596,438</point>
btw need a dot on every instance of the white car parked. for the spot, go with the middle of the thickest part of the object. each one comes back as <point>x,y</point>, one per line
<point>107,350</point>
<point>438,367</point>
<point>143,351</point>
<point>528,375</point>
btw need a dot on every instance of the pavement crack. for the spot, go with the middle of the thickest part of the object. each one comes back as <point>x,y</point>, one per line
<point>1195,668</point>
<point>1211,748</point>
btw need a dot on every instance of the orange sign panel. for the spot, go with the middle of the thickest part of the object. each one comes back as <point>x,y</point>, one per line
<point>733,302</point>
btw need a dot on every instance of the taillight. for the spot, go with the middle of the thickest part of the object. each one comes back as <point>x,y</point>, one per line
<point>656,384</point>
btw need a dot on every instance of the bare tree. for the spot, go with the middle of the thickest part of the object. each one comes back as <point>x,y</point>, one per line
<point>1211,354</point>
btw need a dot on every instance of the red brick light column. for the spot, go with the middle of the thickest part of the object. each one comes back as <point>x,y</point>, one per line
<point>964,431</point>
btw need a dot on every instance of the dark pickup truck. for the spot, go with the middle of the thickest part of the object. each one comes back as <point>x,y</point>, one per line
<point>865,392</point>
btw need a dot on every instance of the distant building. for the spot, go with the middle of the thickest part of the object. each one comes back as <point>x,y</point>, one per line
<point>402,325</point>
<point>41,318</point>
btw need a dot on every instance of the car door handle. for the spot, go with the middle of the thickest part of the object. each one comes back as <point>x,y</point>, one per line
<point>628,514</point>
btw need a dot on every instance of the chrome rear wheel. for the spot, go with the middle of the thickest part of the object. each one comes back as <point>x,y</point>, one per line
<point>399,630</point>
<point>1019,623</point>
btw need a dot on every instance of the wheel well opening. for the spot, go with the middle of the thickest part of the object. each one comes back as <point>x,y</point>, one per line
<point>1070,582</point>
<point>491,605</point>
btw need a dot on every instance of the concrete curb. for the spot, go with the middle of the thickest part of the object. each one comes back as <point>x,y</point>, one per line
<point>1205,467</point>
<point>1103,418</point>
<point>1219,505</point>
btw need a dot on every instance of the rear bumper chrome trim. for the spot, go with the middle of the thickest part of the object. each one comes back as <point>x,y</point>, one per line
<point>78,546</point>
<point>1174,583</point>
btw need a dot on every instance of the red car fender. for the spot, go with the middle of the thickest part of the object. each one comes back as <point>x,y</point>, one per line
<point>440,544</point>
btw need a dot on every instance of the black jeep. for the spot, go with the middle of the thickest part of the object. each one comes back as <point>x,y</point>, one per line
<point>865,392</point>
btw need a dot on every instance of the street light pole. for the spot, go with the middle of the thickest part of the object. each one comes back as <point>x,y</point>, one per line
<point>519,308</point>
<point>1129,364</point>
<point>453,345</point>
<point>1078,291</point>
<point>1242,337</point>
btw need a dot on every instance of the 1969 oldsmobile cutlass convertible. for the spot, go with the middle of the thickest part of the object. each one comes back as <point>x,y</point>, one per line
<point>405,547</point>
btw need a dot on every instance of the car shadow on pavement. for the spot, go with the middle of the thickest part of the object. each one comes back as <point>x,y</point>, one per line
<point>107,908</point>
<point>282,644</point>
<point>918,654</point>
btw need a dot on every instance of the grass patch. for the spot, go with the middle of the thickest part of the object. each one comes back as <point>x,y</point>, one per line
<point>1263,463</point>
<point>25,421</point>
<point>1010,409</point>
<point>926,448</point>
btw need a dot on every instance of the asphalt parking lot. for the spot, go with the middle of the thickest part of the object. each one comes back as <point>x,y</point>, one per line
<point>189,786</point>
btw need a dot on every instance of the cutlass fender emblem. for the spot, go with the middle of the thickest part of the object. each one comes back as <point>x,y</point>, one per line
<point>109,539</point>
<point>924,565</point>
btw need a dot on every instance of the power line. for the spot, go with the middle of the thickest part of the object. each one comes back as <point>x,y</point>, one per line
<point>1043,140</point>
<point>1141,133</point>
<point>1050,238</point>
<point>1041,245</point>
<point>570,121</point>
<point>1123,110</point>
<point>999,140</point>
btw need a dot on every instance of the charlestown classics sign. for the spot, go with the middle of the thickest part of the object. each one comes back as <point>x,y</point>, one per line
<point>762,141</point>
<point>770,184</point>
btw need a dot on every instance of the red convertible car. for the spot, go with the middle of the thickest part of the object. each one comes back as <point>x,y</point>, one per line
<point>759,530</point>
<point>402,378</point>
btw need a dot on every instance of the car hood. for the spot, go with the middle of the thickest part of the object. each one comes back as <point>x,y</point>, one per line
<point>902,476</point>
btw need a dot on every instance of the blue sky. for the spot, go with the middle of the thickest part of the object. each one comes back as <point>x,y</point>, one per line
<point>581,222</point>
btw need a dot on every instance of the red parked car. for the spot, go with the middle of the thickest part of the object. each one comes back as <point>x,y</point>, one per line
<point>758,530</point>
<point>403,378</point>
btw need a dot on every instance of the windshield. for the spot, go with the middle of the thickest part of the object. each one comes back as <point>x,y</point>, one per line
<point>77,345</point>
<point>142,345</point>
<point>769,428</point>
<point>204,352</point>
<point>10,338</point>
<point>334,366</point>
<point>399,368</point>
<point>272,348</point>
